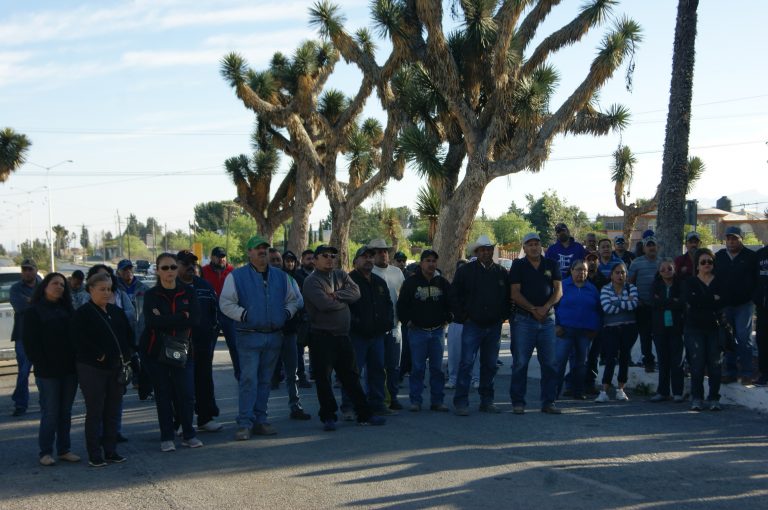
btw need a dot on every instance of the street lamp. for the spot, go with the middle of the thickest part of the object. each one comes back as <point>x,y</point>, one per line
<point>50,216</point>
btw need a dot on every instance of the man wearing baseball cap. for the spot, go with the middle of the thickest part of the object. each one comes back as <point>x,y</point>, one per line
<point>620,250</point>
<point>684,262</point>
<point>565,250</point>
<point>215,273</point>
<point>21,296</point>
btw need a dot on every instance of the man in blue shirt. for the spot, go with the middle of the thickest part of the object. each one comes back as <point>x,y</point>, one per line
<point>565,250</point>
<point>21,294</point>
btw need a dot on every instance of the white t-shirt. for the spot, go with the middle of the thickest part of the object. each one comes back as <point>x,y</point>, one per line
<point>393,275</point>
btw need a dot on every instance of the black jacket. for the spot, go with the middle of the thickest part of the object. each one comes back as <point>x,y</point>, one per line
<point>702,310</point>
<point>424,303</point>
<point>172,320</point>
<point>208,326</point>
<point>92,334</point>
<point>47,341</point>
<point>480,294</point>
<point>761,290</point>
<point>373,313</point>
<point>674,303</point>
<point>738,276</point>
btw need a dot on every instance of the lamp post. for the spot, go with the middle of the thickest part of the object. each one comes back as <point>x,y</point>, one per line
<point>50,215</point>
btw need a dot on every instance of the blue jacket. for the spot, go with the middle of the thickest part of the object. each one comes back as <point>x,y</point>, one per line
<point>257,304</point>
<point>579,307</point>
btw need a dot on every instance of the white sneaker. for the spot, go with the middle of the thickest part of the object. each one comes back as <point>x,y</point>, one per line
<point>211,426</point>
<point>179,432</point>
<point>602,397</point>
<point>476,385</point>
<point>167,446</point>
<point>450,385</point>
<point>192,443</point>
<point>620,395</point>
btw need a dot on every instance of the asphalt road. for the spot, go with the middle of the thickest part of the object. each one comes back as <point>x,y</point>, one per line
<point>630,455</point>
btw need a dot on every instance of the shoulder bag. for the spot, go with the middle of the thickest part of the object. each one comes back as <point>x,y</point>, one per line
<point>174,350</point>
<point>125,374</point>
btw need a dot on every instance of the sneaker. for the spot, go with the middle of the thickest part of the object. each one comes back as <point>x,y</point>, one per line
<point>450,385</point>
<point>192,442</point>
<point>348,415</point>
<point>19,411</point>
<point>489,408</point>
<point>461,411</point>
<point>114,458</point>
<point>69,457</point>
<point>441,408</point>
<point>47,460</point>
<point>415,408</point>
<point>551,409</point>
<point>678,399</point>
<point>210,426</point>
<point>715,406</point>
<point>179,432</point>
<point>476,385</point>
<point>697,405</point>
<point>518,409</point>
<point>264,429</point>
<point>621,396</point>
<point>396,406</point>
<point>167,446</point>
<point>329,425</point>
<point>298,413</point>
<point>602,397</point>
<point>658,398</point>
<point>96,462</point>
<point>242,434</point>
<point>374,421</point>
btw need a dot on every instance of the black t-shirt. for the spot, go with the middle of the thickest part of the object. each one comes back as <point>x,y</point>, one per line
<point>535,284</point>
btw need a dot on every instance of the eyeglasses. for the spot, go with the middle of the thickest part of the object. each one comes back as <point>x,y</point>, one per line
<point>328,255</point>
<point>668,268</point>
<point>172,267</point>
<point>706,262</point>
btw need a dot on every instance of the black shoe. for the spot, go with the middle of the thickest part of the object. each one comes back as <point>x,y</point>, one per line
<point>121,438</point>
<point>19,411</point>
<point>114,458</point>
<point>303,383</point>
<point>299,414</point>
<point>96,462</point>
<point>396,406</point>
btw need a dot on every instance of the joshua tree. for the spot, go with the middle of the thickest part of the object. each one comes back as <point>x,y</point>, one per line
<point>13,151</point>
<point>428,207</point>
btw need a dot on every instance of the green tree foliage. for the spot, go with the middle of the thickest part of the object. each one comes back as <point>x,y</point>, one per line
<point>509,229</point>
<point>213,215</point>
<point>36,250</point>
<point>85,240</point>
<point>750,239</point>
<point>134,248</point>
<point>548,210</point>
<point>3,253</point>
<point>13,151</point>
<point>705,234</point>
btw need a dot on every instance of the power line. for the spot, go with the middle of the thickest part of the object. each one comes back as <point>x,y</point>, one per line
<point>721,101</point>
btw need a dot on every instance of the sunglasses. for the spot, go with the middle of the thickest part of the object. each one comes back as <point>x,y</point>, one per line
<point>172,267</point>
<point>328,255</point>
<point>706,262</point>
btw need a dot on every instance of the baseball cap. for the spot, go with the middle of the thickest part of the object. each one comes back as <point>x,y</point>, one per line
<point>649,240</point>
<point>400,256</point>
<point>186,257</point>
<point>692,235</point>
<point>125,263</point>
<point>559,227</point>
<point>429,253</point>
<point>534,236</point>
<point>362,251</point>
<point>325,248</point>
<point>619,240</point>
<point>218,252</point>
<point>255,242</point>
<point>29,263</point>
<point>289,255</point>
<point>648,233</point>
<point>734,231</point>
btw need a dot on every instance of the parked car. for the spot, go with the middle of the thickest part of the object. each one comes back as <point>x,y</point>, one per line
<point>142,266</point>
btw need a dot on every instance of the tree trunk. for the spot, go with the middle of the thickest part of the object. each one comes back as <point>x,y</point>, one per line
<point>342,219</point>
<point>630,219</point>
<point>302,207</point>
<point>456,218</point>
<point>674,173</point>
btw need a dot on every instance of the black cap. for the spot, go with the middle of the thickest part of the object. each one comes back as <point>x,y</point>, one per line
<point>362,251</point>
<point>29,263</point>
<point>186,257</point>
<point>218,252</point>
<point>429,253</point>
<point>289,255</point>
<point>78,274</point>
<point>400,256</point>
<point>561,226</point>
<point>324,248</point>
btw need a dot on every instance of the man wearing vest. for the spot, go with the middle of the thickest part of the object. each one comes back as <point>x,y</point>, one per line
<point>259,299</point>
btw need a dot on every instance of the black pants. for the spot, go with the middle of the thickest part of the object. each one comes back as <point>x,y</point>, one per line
<point>103,401</point>
<point>205,398</point>
<point>617,344</point>
<point>762,340</point>
<point>669,349</point>
<point>645,330</point>
<point>592,360</point>
<point>405,357</point>
<point>302,339</point>
<point>329,353</point>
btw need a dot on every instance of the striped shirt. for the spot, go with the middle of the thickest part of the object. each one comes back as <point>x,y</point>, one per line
<point>619,308</point>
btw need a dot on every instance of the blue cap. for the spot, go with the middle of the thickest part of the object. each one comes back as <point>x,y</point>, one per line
<point>124,264</point>
<point>734,231</point>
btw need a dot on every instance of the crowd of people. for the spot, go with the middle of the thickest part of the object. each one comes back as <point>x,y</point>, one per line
<point>577,305</point>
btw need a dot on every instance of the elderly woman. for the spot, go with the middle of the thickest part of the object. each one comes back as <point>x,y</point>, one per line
<point>103,338</point>
<point>668,332</point>
<point>49,348</point>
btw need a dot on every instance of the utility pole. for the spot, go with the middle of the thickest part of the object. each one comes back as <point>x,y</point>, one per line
<point>229,218</point>
<point>120,233</point>
<point>154,241</point>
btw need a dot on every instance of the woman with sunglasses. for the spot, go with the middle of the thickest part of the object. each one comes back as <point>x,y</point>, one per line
<point>170,311</point>
<point>701,296</point>
<point>667,321</point>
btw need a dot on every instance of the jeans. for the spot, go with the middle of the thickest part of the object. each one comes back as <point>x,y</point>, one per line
<point>669,349</point>
<point>454,354</point>
<point>405,357</point>
<point>258,354</point>
<point>103,399</point>
<point>530,333</point>
<point>369,358</point>
<point>704,353</point>
<point>205,397</point>
<point>740,362</point>
<point>645,330</point>
<point>328,352</point>
<point>426,344</point>
<point>288,360</point>
<point>174,395</point>
<point>230,336</point>
<point>21,392</point>
<point>617,345</point>
<point>392,364</point>
<point>56,397</point>
<point>486,340</point>
<point>573,340</point>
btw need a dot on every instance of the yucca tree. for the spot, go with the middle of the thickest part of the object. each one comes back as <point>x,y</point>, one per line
<point>13,151</point>
<point>428,208</point>
<point>674,172</point>
<point>480,97</point>
<point>622,173</point>
<point>322,125</point>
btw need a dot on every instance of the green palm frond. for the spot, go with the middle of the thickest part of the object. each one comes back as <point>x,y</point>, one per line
<point>623,167</point>
<point>696,168</point>
<point>305,59</point>
<point>424,150</point>
<point>238,167</point>
<point>13,151</point>
<point>373,130</point>
<point>428,202</point>
<point>332,104</point>
<point>365,41</point>
<point>264,84</point>
<point>327,18</point>
<point>618,44</point>
<point>480,27</point>
<point>233,68</point>
<point>389,18</point>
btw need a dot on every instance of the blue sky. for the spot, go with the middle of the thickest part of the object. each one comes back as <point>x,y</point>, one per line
<point>131,92</point>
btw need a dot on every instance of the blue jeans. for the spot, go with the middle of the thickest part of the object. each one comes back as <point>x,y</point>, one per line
<point>486,340</point>
<point>530,333</point>
<point>174,388</point>
<point>258,353</point>
<point>369,358</point>
<point>21,393</point>
<point>230,336</point>
<point>56,397</point>
<point>392,365</point>
<point>740,362</point>
<point>454,354</point>
<point>426,344</point>
<point>574,341</point>
<point>704,353</point>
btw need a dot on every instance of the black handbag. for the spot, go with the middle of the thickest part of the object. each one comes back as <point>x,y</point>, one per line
<point>725,333</point>
<point>174,351</point>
